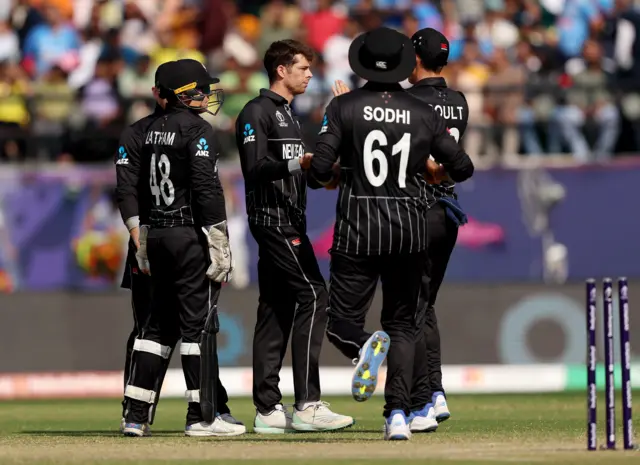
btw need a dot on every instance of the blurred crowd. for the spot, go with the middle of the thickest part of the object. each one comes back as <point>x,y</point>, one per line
<point>541,76</point>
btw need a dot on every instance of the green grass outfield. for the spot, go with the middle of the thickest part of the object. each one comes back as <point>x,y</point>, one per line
<point>546,428</point>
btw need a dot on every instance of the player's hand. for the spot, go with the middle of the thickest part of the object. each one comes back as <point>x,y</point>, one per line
<point>221,267</point>
<point>135,236</point>
<point>340,88</point>
<point>305,161</point>
<point>335,181</point>
<point>141,254</point>
<point>435,173</point>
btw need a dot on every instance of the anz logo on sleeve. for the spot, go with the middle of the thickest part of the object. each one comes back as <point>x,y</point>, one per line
<point>325,125</point>
<point>203,148</point>
<point>249,135</point>
<point>122,157</point>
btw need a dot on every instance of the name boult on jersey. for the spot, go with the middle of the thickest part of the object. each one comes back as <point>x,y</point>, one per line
<point>291,151</point>
<point>160,138</point>
<point>448,111</point>
<point>387,115</point>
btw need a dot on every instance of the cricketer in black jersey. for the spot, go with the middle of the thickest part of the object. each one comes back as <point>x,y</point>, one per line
<point>443,219</point>
<point>293,295</point>
<point>186,244</point>
<point>383,137</point>
<point>127,162</point>
<point>128,183</point>
<point>429,404</point>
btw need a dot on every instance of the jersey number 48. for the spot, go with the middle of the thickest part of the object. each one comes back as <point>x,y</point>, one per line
<point>165,189</point>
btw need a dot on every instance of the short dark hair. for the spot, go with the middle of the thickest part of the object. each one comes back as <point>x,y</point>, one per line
<point>283,53</point>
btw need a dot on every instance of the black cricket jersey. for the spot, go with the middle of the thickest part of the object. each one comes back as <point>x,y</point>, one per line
<point>129,183</point>
<point>269,139</point>
<point>383,137</point>
<point>128,164</point>
<point>179,170</point>
<point>450,105</point>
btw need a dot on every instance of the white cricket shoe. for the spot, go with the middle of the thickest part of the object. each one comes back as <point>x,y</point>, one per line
<point>440,406</point>
<point>316,416</point>
<point>396,427</point>
<point>219,427</point>
<point>278,421</point>
<point>423,421</point>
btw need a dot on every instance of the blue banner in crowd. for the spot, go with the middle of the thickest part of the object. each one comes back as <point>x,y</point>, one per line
<point>59,229</point>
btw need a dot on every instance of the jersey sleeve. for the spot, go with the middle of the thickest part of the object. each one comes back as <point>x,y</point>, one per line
<point>127,161</point>
<point>328,144</point>
<point>252,130</point>
<point>446,151</point>
<point>206,189</point>
<point>465,115</point>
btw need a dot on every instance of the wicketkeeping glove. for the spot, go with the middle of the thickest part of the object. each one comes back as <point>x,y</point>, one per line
<point>221,266</point>
<point>141,254</point>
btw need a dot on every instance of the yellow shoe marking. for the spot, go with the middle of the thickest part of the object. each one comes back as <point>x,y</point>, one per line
<point>366,375</point>
<point>377,350</point>
<point>363,389</point>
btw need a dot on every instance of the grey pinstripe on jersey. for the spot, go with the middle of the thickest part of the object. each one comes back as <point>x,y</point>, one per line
<point>378,225</point>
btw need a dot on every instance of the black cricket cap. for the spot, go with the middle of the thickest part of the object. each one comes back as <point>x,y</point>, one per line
<point>184,75</point>
<point>432,47</point>
<point>382,55</point>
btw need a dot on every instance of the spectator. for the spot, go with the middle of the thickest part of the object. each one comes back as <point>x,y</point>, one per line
<point>135,84</point>
<point>99,99</point>
<point>278,21</point>
<point>54,42</point>
<point>503,99</point>
<point>52,109</point>
<point>471,78</point>
<point>574,23</point>
<point>240,43</point>
<point>589,100</point>
<point>9,43</point>
<point>336,53</point>
<point>14,116</point>
<point>325,22</point>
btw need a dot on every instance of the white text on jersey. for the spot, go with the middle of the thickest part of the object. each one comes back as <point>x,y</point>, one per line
<point>448,111</point>
<point>291,151</point>
<point>160,138</point>
<point>387,115</point>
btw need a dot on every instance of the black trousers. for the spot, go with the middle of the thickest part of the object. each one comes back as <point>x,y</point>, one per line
<point>182,299</point>
<point>442,237</point>
<point>140,286</point>
<point>288,275</point>
<point>354,279</point>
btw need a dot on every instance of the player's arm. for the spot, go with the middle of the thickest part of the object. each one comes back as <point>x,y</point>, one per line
<point>446,151</point>
<point>465,116</point>
<point>127,161</point>
<point>206,189</point>
<point>252,129</point>
<point>326,153</point>
<point>208,196</point>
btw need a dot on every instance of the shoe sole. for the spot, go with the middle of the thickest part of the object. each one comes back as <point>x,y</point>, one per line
<point>365,375</point>
<point>203,434</point>
<point>442,416</point>
<point>273,430</point>
<point>134,433</point>
<point>428,429</point>
<point>305,427</point>
<point>398,437</point>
